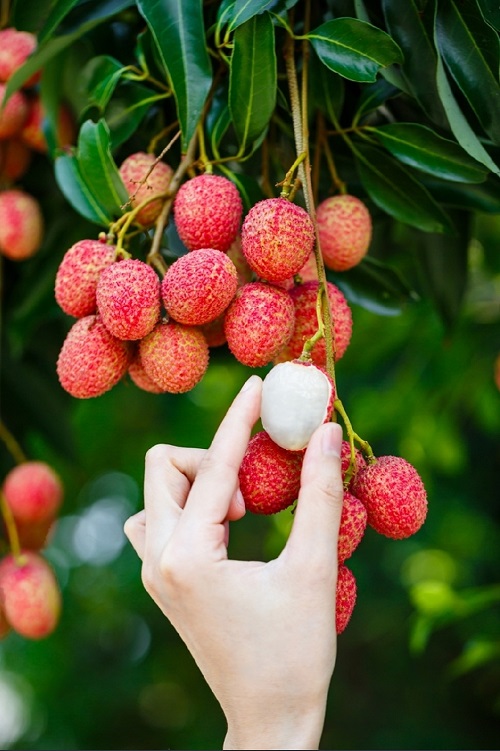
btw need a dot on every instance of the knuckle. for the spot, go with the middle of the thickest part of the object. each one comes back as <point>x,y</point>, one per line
<point>158,454</point>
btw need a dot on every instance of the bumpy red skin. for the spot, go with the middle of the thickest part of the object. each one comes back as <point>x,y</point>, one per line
<point>345,458</point>
<point>21,225</point>
<point>174,356</point>
<point>352,526</point>
<point>30,595</point>
<point>77,276</point>
<point>345,598</point>
<point>269,475</point>
<point>394,496</point>
<point>141,379</point>
<point>91,360</point>
<point>198,287</point>
<point>306,323</point>
<point>13,115</point>
<point>277,238</point>
<point>15,48</point>
<point>33,491</point>
<point>133,171</point>
<point>207,212</point>
<point>214,332</point>
<point>345,231</point>
<point>128,298</point>
<point>258,323</point>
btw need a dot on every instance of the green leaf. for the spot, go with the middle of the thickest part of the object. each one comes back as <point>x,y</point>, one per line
<point>100,77</point>
<point>131,102</point>
<point>179,33</point>
<point>420,147</point>
<point>91,12</point>
<point>373,96</point>
<point>354,49</point>
<point>252,79</point>
<point>247,185</point>
<point>327,89</point>
<point>98,168</point>
<point>29,16</point>
<point>76,190</point>
<point>484,197</point>
<point>58,12</point>
<point>491,12</point>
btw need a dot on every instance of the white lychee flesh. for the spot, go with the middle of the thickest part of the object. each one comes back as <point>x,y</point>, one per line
<point>296,399</point>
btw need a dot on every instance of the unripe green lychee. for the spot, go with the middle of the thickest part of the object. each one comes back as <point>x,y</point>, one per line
<point>345,597</point>
<point>78,273</point>
<point>345,458</point>
<point>133,171</point>
<point>15,48</point>
<point>129,299</point>
<point>33,491</point>
<point>32,133</point>
<point>269,475</point>
<point>297,397</point>
<point>394,496</point>
<point>207,212</point>
<point>15,158</point>
<point>345,231</point>
<point>258,323</point>
<point>141,379</point>
<point>91,360</point>
<point>199,286</point>
<point>21,224</point>
<point>174,356</point>
<point>277,237</point>
<point>352,526</point>
<point>13,115</point>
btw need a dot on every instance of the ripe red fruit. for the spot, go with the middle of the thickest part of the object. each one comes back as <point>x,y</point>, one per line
<point>345,597</point>
<point>4,624</point>
<point>33,491</point>
<point>352,526</point>
<point>13,115</point>
<point>345,231</point>
<point>35,536</point>
<point>21,225</point>
<point>15,48</point>
<point>207,212</point>
<point>345,458</point>
<point>140,377</point>
<point>15,158</point>
<point>394,496</point>
<point>277,238</point>
<point>77,276</point>
<point>174,356</point>
<point>133,171</point>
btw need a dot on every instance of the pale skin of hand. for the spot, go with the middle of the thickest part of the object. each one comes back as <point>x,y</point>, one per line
<point>263,634</point>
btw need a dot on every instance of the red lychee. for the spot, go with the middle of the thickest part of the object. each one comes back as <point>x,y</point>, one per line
<point>214,332</point>
<point>345,597</point>
<point>207,212</point>
<point>199,286</point>
<point>277,238</point>
<point>269,475</point>
<point>128,298</point>
<point>258,323</point>
<point>394,496</point>
<point>140,377</point>
<point>32,133</point>
<point>235,253</point>
<point>13,115</point>
<point>91,360</point>
<point>4,624</point>
<point>78,273</point>
<point>309,271</point>
<point>15,48</point>
<point>15,158</point>
<point>33,491</point>
<point>174,356</point>
<point>21,224</point>
<point>345,231</point>
<point>133,171</point>
<point>35,536</point>
<point>345,458</point>
<point>352,526</point>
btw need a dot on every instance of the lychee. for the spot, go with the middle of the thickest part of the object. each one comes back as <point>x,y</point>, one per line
<point>21,224</point>
<point>133,171</point>
<point>4,624</point>
<point>345,459</point>
<point>345,597</point>
<point>78,273</point>
<point>277,238</point>
<point>297,397</point>
<point>15,48</point>
<point>214,332</point>
<point>199,286</point>
<point>394,496</point>
<point>309,271</point>
<point>174,356</point>
<point>207,212</point>
<point>15,158</point>
<point>345,231</point>
<point>32,133</point>
<point>35,536</point>
<point>235,253</point>
<point>13,114</point>
<point>269,475</point>
<point>141,379</point>
<point>91,360</point>
<point>33,491</point>
<point>258,323</point>
<point>352,526</point>
<point>128,298</point>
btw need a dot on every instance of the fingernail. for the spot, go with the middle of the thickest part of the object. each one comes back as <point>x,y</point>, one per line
<point>250,383</point>
<point>331,439</point>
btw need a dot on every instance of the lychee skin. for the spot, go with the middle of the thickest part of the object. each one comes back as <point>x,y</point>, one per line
<point>21,225</point>
<point>269,475</point>
<point>15,48</point>
<point>345,231</point>
<point>13,115</point>
<point>141,379</point>
<point>199,286</point>
<point>258,323</point>
<point>129,299</point>
<point>394,496</point>
<point>345,598</point>
<point>77,276</point>
<point>174,356</point>
<point>91,360</point>
<point>133,171</point>
<point>4,624</point>
<point>345,458</point>
<point>33,491</point>
<point>352,526</point>
<point>277,238</point>
<point>207,212</point>
<point>214,332</point>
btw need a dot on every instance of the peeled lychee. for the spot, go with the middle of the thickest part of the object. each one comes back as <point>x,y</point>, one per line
<point>128,298</point>
<point>21,224</point>
<point>345,231</point>
<point>133,171</point>
<point>33,491</point>
<point>13,114</point>
<point>141,379</point>
<point>352,526</point>
<point>15,48</point>
<point>345,597</point>
<point>174,356</point>
<point>277,238</point>
<point>297,397</point>
<point>269,475</point>
<point>207,212</point>
<point>394,496</point>
<point>258,323</point>
<point>199,286</point>
<point>345,459</point>
<point>91,360</point>
<point>78,273</point>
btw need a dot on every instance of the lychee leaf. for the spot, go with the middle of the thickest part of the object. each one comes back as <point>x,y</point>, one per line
<point>491,12</point>
<point>100,78</point>
<point>243,10</point>
<point>76,190</point>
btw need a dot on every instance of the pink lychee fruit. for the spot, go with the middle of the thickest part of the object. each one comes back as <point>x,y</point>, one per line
<point>345,231</point>
<point>174,356</point>
<point>13,114</point>
<point>32,133</point>
<point>199,286</point>
<point>129,298</point>
<point>269,475</point>
<point>15,159</point>
<point>277,238</point>
<point>21,224</point>
<point>309,271</point>
<point>133,171</point>
<point>297,397</point>
<point>15,48</point>
<point>235,253</point>
<point>345,458</point>
<point>394,496</point>
<point>258,323</point>
<point>4,624</point>
<point>33,491</point>
<point>345,597</point>
<point>352,526</point>
<point>207,212</point>
<point>214,332</point>
<point>141,379</point>
<point>78,273</point>
<point>36,536</point>
<point>91,360</point>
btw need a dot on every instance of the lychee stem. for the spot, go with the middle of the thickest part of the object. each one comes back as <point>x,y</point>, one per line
<point>11,528</point>
<point>287,182</point>
<point>13,447</point>
<point>353,436</point>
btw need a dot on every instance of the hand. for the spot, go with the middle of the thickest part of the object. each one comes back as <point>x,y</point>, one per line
<point>263,634</point>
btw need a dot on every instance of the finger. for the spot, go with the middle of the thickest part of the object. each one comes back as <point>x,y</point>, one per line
<point>135,531</point>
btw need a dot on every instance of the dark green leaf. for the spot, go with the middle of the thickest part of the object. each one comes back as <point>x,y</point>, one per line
<point>374,286</point>
<point>247,185</point>
<point>373,96</point>
<point>98,168</point>
<point>58,11</point>
<point>29,16</point>
<point>327,89</point>
<point>131,102</point>
<point>90,13</point>
<point>100,77</point>
<point>76,190</point>
<point>491,12</point>
<point>484,197</point>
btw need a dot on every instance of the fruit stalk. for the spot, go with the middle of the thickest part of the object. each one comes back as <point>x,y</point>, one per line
<point>12,445</point>
<point>11,528</point>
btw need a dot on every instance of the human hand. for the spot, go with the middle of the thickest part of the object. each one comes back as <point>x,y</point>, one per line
<point>263,634</point>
